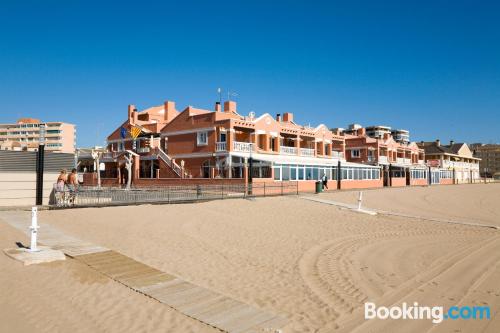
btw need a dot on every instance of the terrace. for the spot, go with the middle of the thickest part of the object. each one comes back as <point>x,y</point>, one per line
<point>245,140</point>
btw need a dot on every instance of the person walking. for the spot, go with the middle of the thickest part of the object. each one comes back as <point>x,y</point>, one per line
<point>61,180</point>
<point>72,184</point>
<point>324,181</point>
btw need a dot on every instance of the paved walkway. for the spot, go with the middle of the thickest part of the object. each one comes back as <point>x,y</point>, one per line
<point>202,304</point>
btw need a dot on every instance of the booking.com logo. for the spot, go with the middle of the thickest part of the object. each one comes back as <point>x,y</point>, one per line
<point>434,313</point>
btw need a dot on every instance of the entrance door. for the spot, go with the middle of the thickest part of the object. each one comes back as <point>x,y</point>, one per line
<point>386,177</point>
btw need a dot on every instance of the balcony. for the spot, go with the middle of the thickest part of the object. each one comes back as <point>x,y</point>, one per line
<point>220,146</point>
<point>288,150</point>
<point>243,147</point>
<point>403,161</point>
<point>307,152</point>
<point>143,150</point>
<point>383,160</point>
<point>337,154</point>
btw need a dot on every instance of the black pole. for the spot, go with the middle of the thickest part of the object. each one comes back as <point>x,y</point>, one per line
<point>339,176</point>
<point>390,175</point>
<point>39,175</point>
<point>250,175</point>
<point>250,168</point>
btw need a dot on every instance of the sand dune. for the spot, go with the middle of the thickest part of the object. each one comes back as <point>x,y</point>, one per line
<point>315,263</point>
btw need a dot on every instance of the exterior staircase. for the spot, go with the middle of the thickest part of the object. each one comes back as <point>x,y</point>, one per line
<point>170,162</point>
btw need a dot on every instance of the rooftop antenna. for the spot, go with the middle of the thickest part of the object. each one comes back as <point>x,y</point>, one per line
<point>219,91</point>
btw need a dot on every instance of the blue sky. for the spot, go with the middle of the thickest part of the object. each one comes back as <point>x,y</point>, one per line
<point>432,67</point>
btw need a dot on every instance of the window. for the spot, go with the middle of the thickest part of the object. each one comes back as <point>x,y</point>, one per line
<point>202,139</point>
<point>223,137</point>
<point>355,153</point>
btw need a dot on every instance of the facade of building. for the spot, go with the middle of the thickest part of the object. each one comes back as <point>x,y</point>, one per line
<point>25,135</point>
<point>222,144</point>
<point>455,159</point>
<point>402,162</point>
<point>489,165</point>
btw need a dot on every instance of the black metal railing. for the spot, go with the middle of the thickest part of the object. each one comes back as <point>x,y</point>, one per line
<point>110,196</point>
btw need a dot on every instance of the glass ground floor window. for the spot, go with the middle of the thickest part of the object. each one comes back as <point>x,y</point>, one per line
<point>360,173</point>
<point>448,174</point>
<point>418,173</point>
<point>316,172</point>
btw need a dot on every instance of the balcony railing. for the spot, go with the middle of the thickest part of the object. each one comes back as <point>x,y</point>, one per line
<point>421,162</point>
<point>288,150</point>
<point>383,160</point>
<point>244,147</point>
<point>337,154</point>
<point>143,150</point>
<point>306,152</point>
<point>220,146</point>
<point>402,160</point>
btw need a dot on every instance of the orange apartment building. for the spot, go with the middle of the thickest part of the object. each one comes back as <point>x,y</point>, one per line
<point>402,161</point>
<point>222,144</point>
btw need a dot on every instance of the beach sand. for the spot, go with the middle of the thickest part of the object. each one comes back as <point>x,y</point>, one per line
<point>314,263</point>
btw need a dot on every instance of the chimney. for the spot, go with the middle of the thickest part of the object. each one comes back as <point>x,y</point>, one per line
<point>170,111</point>
<point>288,117</point>
<point>386,136</point>
<point>278,118</point>
<point>230,107</point>
<point>135,116</point>
<point>438,142</point>
<point>131,109</point>
<point>451,142</point>
<point>361,131</point>
<point>217,107</point>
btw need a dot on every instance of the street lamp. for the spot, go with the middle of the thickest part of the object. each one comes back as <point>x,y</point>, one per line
<point>39,165</point>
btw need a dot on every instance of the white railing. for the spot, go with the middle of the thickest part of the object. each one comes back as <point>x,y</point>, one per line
<point>400,160</point>
<point>220,146</point>
<point>337,154</point>
<point>170,162</point>
<point>244,147</point>
<point>143,150</point>
<point>306,152</point>
<point>383,160</point>
<point>288,150</point>
<point>407,161</point>
<point>370,158</point>
<point>421,162</point>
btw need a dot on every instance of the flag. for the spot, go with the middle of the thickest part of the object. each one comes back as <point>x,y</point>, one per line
<point>123,132</point>
<point>135,132</point>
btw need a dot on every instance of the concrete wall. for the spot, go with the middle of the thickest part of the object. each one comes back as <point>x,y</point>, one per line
<point>419,182</point>
<point>19,188</point>
<point>398,182</point>
<point>366,183</point>
<point>446,181</point>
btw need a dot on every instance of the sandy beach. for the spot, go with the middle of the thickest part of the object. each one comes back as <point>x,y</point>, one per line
<point>315,263</point>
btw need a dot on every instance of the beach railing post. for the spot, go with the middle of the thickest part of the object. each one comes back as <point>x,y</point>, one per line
<point>34,229</point>
<point>360,199</point>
